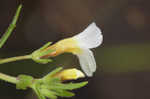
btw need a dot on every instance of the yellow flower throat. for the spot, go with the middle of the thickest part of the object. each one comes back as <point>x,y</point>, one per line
<point>69,45</point>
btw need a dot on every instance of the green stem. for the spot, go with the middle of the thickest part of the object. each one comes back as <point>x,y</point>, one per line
<point>7,78</point>
<point>6,60</point>
<point>11,27</point>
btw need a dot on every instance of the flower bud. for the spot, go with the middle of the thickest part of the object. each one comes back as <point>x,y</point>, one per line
<point>70,74</point>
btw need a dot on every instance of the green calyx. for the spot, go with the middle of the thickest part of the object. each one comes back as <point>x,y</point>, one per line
<point>36,55</point>
<point>52,87</point>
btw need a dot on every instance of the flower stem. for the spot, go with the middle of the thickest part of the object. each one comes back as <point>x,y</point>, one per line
<point>17,58</point>
<point>11,27</point>
<point>7,78</point>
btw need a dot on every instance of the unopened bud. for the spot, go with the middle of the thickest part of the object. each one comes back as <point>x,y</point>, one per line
<point>70,74</point>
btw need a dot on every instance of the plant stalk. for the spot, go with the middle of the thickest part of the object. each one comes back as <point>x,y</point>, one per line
<point>7,78</point>
<point>12,59</point>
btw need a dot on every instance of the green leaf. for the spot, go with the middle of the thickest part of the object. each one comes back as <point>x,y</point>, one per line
<point>36,88</point>
<point>48,93</point>
<point>64,93</point>
<point>24,81</point>
<point>11,27</point>
<point>69,86</point>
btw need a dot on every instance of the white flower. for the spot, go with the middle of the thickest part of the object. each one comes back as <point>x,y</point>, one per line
<point>91,37</point>
<point>80,45</point>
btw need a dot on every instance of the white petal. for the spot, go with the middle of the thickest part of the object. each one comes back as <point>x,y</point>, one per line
<point>87,62</point>
<point>91,37</point>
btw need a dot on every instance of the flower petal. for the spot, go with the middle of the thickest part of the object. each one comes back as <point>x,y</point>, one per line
<point>87,62</point>
<point>91,37</point>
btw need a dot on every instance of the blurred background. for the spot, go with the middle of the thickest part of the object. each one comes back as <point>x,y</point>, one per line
<point>123,58</point>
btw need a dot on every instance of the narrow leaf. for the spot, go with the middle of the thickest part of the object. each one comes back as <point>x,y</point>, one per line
<point>69,86</point>
<point>48,93</point>
<point>37,91</point>
<point>64,93</point>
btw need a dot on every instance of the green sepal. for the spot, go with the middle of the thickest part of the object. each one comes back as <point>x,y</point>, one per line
<point>49,77</point>
<point>42,61</point>
<point>36,55</point>
<point>45,46</point>
<point>46,52</point>
<point>24,81</point>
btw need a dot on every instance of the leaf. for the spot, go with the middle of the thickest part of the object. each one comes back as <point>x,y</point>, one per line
<point>37,91</point>
<point>64,93</point>
<point>69,86</point>
<point>48,93</point>
<point>24,81</point>
<point>11,27</point>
